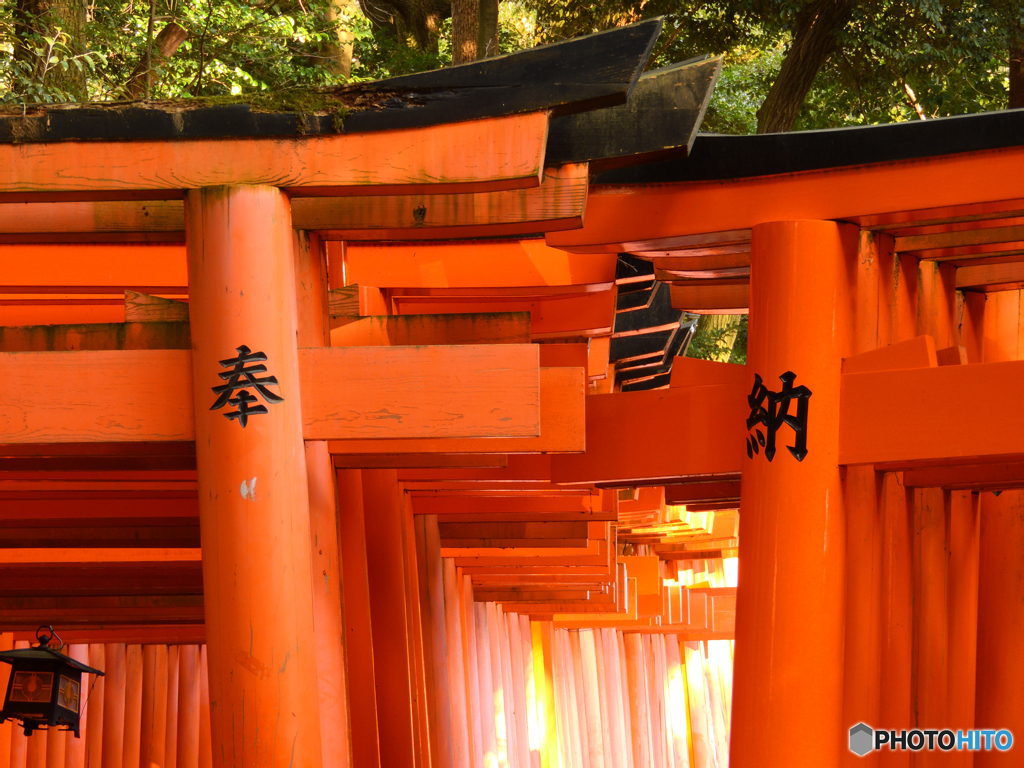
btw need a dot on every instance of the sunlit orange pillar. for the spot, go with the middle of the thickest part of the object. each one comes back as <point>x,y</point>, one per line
<point>253,495</point>
<point>864,530</point>
<point>392,635</point>
<point>1000,666</point>
<point>358,632</point>
<point>790,608</point>
<point>311,300</point>
<point>962,596</point>
<point>930,668</point>
<point>897,615</point>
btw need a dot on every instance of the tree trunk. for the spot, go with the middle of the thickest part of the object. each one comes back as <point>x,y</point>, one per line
<point>35,19</point>
<point>339,52</point>
<point>487,33</point>
<point>164,46</point>
<point>464,30</point>
<point>1016,80</point>
<point>813,42</point>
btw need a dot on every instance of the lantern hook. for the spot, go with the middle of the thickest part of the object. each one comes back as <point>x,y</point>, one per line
<point>44,639</point>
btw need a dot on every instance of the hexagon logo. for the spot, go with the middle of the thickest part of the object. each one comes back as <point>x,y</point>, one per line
<point>861,739</point>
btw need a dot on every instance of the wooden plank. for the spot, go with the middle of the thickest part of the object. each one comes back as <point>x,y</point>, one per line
<point>893,417</point>
<point>432,384</point>
<point>343,302</point>
<point>143,308</point>
<point>558,203</point>
<point>695,493</point>
<point>964,237</point>
<point>1008,276</point>
<point>711,296</point>
<point>918,352</point>
<point>394,162</point>
<point>620,215</point>
<point>417,460</point>
<point>144,395</point>
<point>406,330</point>
<point>524,263</point>
<point>975,477</point>
<point>700,433</point>
<point>561,417</point>
<point>736,256</point>
<point>105,216</point>
<point>99,555</point>
<point>659,121</point>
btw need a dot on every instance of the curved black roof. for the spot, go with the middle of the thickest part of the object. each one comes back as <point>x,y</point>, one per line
<point>718,157</point>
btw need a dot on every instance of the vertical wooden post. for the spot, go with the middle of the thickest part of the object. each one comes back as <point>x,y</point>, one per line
<point>36,755</point>
<point>205,744</point>
<point>862,685</point>
<point>132,707</point>
<point>154,706</point>
<point>789,671</point>
<point>456,662</point>
<point>188,707</point>
<point>311,300</point>
<point>6,644</point>
<point>113,704</point>
<point>253,492</point>
<point>1000,663</point>
<point>358,634</point>
<point>74,752</point>
<point>56,747</point>
<point>897,614</point>
<point>862,488</point>
<point>435,641</point>
<point>393,675</point>
<point>964,536</point>
<point>171,734</point>
<point>93,706</point>
<point>931,650</point>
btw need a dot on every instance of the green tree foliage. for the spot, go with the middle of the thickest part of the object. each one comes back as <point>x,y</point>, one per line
<point>889,60</point>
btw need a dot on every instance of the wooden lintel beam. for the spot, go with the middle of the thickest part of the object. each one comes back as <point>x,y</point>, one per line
<point>390,162</point>
<point>146,395</point>
<point>991,277</point>
<point>458,505</point>
<point>902,418</point>
<point>418,460</point>
<point>556,204</point>
<point>712,296</point>
<point>697,493</point>
<point>975,477</point>
<point>418,330</point>
<point>562,392</point>
<point>959,238</point>
<point>170,634</point>
<point>700,431</point>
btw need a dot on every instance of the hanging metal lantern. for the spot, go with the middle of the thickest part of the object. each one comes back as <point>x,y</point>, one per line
<point>45,689</point>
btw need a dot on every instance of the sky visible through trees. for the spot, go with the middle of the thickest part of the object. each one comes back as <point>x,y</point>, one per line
<point>789,64</point>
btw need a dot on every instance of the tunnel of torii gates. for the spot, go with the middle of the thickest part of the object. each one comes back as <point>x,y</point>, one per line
<point>366,437</point>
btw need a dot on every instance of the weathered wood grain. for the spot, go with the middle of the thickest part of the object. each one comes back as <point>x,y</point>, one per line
<point>562,414</point>
<point>558,203</point>
<point>464,391</point>
<point>144,395</point>
<point>143,308</point>
<point>510,156</point>
<point>402,330</point>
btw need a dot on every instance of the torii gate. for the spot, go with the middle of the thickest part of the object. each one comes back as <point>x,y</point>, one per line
<point>870,262</point>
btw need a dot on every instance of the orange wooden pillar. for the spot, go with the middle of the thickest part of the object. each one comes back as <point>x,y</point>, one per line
<point>188,706</point>
<point>93,707</point>
<point>154,706</point>
<point>962,602</point>
<point>115,679</point>
<point>392,634</point>
<point>897,614</point>
<point>253,494</point>
<point>358,633</point>
<point>311,300</point>
<point>1000,663</point>
<point>930,668</point>
<point>790,611</point>
<point>864,533</point>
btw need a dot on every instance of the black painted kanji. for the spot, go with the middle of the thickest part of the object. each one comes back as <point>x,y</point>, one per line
<point>771,410</point>
<point>239,380</point>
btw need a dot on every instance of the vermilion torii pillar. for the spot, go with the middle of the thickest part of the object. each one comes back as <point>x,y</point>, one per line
<point>253,496</point>
<point>790,605</point>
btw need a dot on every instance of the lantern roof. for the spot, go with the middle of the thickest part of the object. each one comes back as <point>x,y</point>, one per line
<point>44,653</point>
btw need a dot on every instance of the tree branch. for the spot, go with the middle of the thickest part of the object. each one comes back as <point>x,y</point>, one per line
<point>167,42</point>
